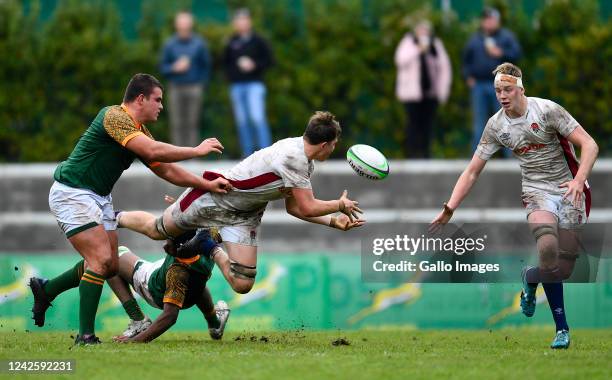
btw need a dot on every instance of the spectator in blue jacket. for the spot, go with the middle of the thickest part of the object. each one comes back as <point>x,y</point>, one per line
<point>186,64</point>
<point>491,46</point>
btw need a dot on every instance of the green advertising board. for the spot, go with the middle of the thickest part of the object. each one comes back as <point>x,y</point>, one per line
<point>310,291</point>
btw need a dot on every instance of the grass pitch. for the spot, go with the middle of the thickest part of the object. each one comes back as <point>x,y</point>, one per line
<point>458,354</point>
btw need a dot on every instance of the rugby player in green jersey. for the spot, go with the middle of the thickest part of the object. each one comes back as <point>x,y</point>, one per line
<point>81,201</point>
<point>173,284</point>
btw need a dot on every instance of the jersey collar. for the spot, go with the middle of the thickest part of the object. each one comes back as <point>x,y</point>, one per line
<point>137,124</point>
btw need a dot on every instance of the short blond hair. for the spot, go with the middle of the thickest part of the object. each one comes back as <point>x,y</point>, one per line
<point>508,69</point>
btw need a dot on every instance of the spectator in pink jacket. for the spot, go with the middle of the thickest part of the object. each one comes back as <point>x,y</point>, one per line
<point>423,82</point>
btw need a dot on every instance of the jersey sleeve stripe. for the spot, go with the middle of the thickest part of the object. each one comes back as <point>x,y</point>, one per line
<point>189,260</point>
<point>573,165</point>
<point>130,136</point>
<point>243,184</point>
<point>173,301</point>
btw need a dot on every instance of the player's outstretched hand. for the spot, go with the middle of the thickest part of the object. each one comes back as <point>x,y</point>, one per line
<point>121,339</point>
<point>220,185</point>
<point>575,189</point>
<point>342,222</point>
<point>209,145</point>
<point>348,207</point>
<point>443,217</point>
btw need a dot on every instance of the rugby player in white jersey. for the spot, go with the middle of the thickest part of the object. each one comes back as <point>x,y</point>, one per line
<point>555,191</point>
<point>282,170</point>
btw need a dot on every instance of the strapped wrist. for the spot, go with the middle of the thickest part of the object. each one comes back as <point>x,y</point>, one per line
<point>332,222</point>
<point>447,209</point>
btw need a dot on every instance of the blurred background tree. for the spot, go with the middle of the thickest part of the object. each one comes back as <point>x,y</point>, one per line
<point>58,71</point>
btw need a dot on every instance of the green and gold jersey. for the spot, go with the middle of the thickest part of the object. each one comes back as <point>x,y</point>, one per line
<point>100,156</point>
<point>180,281</point>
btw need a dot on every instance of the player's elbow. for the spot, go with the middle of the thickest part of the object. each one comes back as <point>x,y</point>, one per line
<point>594,147</point>
<point>292,211</point>
<point>307,211</point>
<point>148,154</point>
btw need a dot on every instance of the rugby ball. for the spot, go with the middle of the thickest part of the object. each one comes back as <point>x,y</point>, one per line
<point>368,162</point>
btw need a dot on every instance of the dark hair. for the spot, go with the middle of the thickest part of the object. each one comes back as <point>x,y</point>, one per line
<point>322,127</point>
<point>141,84</point>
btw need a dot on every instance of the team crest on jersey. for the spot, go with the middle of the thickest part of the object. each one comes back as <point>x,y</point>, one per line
<point>505,137</point>
<point>535,127</point>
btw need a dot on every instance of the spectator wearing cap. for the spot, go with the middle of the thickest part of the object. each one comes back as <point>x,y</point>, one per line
<point>489,47</point>
<point>423,82</point>
<point>185,62</point>
<point>246,58</point>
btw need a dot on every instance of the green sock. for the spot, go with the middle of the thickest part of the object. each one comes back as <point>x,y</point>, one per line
<point>67,280</point>
<point>212,319</point>
<point>90,290</point>
<point>133,310</point>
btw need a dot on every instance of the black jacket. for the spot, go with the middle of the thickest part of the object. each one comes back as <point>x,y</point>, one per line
<point>255,48</point>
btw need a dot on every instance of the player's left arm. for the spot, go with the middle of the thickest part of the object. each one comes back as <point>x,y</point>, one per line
<point>177,280</point>
<point>588,154</point>
<point>341,222</point>
<point>161,324</point>
<point>178,176</point>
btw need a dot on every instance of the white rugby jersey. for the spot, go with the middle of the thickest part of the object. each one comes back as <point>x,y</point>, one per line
<point>261,177</point>
<point>538,140</point>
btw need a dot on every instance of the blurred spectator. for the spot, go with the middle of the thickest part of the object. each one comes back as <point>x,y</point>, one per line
<point>246,58</point>
<point>492,45</point>
<point>185,62</point>
<point>423,82</point>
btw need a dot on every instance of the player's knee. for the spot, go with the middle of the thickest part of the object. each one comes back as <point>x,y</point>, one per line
<point>547,254</point>
<point>108,267</point>
<point>567,261</point>
<point>157,230</point>
<point>243,276</point>
<point>242,286</point>
<point>547,242</point>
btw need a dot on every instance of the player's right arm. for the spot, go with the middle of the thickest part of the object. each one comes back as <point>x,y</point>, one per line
<point>151,150</point>
<point>462,188</point>
<point>178,176</point>
<point>309,207</point>
<point>121,128</point>
<point>341,222</point>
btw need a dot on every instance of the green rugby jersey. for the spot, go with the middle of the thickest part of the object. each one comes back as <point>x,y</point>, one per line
<point>100,156</point>
<point>180,281</point>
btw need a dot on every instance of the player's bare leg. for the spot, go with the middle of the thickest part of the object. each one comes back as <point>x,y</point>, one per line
<point>96,246</point>
<point>120,284</point>
<point>543,226</point>
<point>148,224</point>
<point>238,265</point>
<point>568,253</point>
